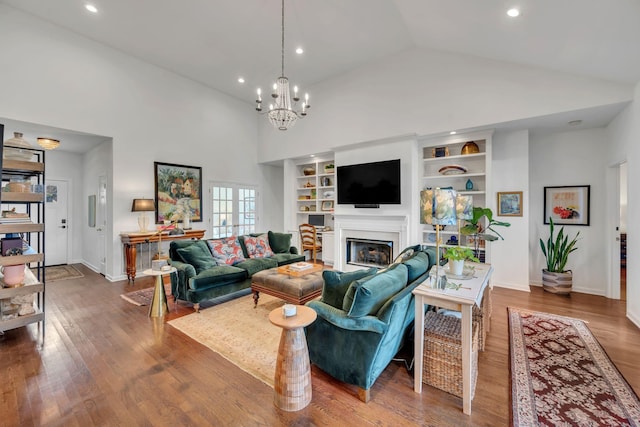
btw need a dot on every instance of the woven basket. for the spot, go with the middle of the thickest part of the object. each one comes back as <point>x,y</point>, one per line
<point>442,367</point>
<point>482,316</point>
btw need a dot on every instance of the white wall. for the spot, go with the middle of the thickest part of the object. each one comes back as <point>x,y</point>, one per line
<point>510,172</point>
<point>406,150</point>
<point>571,158</point>
<point>426,92</point>
<point>95,163</point>
<point>624,134</point>
<point>151,114</point>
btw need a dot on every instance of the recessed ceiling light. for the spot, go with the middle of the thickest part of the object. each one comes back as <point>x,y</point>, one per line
<point>453,132</point>
<point>240,79</point>
<point>513,12</point>
<point>299,51</point>
<point>575,122</point>
<point>91,8</point>
<point>312,155</point>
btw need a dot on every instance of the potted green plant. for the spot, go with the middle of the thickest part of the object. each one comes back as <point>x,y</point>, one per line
<point>555,278</point>
<point>329,168</point>
<point>474,227</point>
<point>457,255</point>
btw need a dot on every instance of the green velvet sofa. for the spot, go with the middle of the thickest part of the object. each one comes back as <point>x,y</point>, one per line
<point>364,318</point>
<point>199,277</point>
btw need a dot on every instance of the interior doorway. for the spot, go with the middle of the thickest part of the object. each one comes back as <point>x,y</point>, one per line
<point>622,179</point>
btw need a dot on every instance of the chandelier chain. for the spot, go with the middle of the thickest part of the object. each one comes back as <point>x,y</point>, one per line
<point>282,50</point>
<point>282,113</point>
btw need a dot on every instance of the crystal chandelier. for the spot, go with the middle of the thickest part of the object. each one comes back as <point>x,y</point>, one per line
<point>283,114</point>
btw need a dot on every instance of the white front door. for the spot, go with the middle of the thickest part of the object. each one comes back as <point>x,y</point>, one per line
<point>56,222</point>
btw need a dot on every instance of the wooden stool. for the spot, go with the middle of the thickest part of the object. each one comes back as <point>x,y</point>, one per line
<point>292,382</point>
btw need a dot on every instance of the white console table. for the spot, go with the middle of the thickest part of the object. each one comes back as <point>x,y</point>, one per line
<point>462,300</point>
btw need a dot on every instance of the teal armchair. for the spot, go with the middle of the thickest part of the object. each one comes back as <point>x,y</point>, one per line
<point>355,337</point>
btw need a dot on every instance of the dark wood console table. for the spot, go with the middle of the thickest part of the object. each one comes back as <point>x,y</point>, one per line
<point>131,239</point>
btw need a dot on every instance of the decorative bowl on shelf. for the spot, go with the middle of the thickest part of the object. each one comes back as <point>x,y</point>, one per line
<point>309,171</point>
<point>470,148</point>
<point>452,170</point>
<point>11,153</point>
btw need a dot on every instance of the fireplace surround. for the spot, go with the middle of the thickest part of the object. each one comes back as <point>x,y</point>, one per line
<point>387,228</point>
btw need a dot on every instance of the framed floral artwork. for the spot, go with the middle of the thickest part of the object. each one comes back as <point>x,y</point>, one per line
<point>567,205</point>
<point>510,203</point>
<point>178,192</point>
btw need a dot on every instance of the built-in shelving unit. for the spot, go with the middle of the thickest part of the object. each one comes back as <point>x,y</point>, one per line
<point>315,189</point>
<point>462,169</point>
<point>23,303</point>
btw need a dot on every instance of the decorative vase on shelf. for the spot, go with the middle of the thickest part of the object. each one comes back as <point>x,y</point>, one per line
<point>186,222</point>
<point>469,185</point>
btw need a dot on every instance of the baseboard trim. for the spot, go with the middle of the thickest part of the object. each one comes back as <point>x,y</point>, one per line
<point>514,286</point>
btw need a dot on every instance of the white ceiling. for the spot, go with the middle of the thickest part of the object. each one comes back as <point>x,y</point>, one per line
<point>214,41</point>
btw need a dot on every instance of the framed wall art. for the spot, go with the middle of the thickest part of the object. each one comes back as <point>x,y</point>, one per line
<point>510,203</point>
<point>327,205</point>
<point>567,205</point>
<point>178,192</point>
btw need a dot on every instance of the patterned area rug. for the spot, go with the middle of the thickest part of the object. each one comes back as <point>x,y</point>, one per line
<point>144,296</point>
<point>239,333</point>
<point>61,272</point>
<point>561,376</point>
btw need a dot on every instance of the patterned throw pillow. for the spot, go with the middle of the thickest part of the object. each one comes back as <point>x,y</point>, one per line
<point>226,251</point>
<point>258,247</point>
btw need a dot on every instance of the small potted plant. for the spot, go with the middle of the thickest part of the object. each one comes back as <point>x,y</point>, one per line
<point>457,256</point>
<point>329,168</point>
<point>555,278</point>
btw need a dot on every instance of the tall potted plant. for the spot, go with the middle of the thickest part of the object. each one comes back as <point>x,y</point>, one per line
<point>555,278</point>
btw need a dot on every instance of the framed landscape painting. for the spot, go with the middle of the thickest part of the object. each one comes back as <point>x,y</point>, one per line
<point>178,192</point>
<point>510,203</point>
<point>567,205</point>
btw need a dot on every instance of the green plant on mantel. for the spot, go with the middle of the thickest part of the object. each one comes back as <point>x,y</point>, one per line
<point>557,249</point>
<point>474,227</point>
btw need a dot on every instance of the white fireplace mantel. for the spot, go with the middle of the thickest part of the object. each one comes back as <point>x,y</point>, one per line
<point>386,227</point>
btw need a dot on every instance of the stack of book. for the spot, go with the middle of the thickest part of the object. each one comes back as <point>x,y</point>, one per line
<point>300,266</point>
<point>13,217</point>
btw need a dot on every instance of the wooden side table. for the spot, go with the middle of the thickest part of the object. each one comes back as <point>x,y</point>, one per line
<point>159,306</point>
<point>130,239</point>
<point>292,382</point>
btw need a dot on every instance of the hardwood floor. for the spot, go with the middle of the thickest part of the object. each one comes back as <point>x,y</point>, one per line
<point>104,362</point>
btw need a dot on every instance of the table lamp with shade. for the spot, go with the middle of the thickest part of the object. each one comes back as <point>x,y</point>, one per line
<point>464,211</point>
<point>142,206</point>
<point>438,208</point>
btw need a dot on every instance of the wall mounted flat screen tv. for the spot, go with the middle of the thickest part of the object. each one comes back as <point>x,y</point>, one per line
<point>369,184</point>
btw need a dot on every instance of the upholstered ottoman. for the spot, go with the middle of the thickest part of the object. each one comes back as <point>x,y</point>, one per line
<point>296,290</point>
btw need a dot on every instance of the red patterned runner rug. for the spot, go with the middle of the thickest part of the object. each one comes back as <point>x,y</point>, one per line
<point>561,376</point>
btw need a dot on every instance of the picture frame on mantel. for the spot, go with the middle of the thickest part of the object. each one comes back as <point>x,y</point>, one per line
<point>178,191</point>
<point>567,205</point>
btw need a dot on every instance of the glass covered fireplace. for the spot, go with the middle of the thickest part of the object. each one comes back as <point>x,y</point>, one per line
<point>369,253</point>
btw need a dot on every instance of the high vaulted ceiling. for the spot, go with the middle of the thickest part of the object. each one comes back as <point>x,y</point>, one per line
<point>214,41</point>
